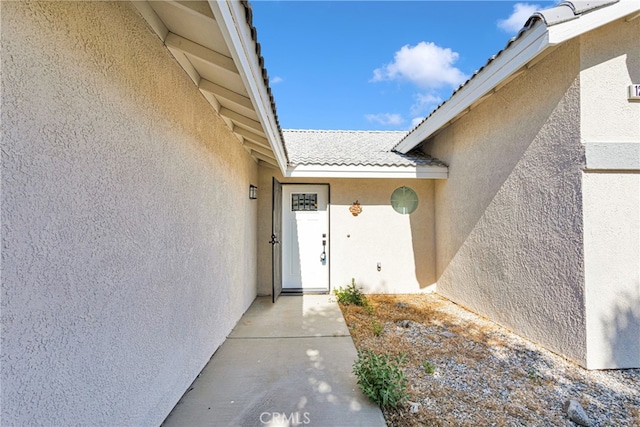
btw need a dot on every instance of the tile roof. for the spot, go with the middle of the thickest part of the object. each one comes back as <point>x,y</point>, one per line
<point>566,11</point>
<point>351,148</point>
<point>248,10</point>
<point>562,12</point>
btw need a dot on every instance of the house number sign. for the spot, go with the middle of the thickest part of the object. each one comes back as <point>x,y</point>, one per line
<point>634,92</point>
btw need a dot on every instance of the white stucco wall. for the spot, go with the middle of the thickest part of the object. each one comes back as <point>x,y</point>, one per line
<point>610,62</point>
<point>403,244</point>
<point>509,234</point>
<point>612,269</point>
<point>128,239</point>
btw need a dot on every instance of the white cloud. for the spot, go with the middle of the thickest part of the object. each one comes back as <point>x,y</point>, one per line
<point>521,12</point>
<point>425,64</point>
<point>416,121</point>
<point>425,102</point>
<point>275,80</point>
<point>386,119</point>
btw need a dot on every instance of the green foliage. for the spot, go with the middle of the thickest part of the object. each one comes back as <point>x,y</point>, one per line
<point>428,367</point>
<point>350,295</point>
<point>377,327</point>
<point>380,377</point>
<point>368,307</point>
<point>533,374</point>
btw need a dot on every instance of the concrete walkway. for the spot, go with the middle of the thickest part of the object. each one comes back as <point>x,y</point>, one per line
<point>284,364</point>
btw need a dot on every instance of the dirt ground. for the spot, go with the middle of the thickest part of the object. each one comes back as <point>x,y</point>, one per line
<point>464,370</point>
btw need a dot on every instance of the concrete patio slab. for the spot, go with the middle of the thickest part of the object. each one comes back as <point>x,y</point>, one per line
<point>292,316</point>
<point>284,364</point>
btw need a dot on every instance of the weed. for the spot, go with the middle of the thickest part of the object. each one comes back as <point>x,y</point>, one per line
<point>380,377</point>
<point>377,327</point>
<point>428,367</point>
<point>533,374</point>
<point>368,307</point>
<point>350,295</point>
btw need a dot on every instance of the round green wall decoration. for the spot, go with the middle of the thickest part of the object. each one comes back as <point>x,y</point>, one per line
<point>404,200</point>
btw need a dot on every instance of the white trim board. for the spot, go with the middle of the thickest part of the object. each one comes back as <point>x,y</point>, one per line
<point>350,171</point>
<point>612,156</point>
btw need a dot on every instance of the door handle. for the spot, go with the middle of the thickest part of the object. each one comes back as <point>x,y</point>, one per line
<point>323,255</point>
<point>274,240</point>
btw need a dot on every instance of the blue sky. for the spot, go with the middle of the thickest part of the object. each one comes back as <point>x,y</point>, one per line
<point>376,65</point>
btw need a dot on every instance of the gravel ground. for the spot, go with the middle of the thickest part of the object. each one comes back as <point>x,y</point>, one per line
<point>483,374</point>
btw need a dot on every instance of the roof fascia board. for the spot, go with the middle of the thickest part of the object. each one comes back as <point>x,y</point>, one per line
<point>237,34</point>
<point>592,20</point>
<point>350,171</point>
<point>521,52</point>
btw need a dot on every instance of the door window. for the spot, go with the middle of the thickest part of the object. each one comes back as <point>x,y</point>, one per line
<point>304,202</point>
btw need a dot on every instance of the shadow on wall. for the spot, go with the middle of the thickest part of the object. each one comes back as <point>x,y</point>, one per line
<point>633,66</point>
<point>358,244</point>
<point>406,253</point>
<point>622,333</point>
<point>423,238</point>
<point>487,153</point>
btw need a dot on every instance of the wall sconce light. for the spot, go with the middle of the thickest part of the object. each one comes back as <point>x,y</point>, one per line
<point>253,192</point>
<point>355,208</point>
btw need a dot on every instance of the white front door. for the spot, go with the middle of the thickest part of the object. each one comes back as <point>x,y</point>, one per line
<point>305,238</point>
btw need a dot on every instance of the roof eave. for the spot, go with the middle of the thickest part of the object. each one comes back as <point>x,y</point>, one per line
<point>230,17</point>
<point>592,20</point>
<point>520,53</point>
<point>524,51</point>
<point>354,171</point>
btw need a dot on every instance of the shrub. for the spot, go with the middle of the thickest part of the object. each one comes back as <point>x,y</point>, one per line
<point>350,295</point>
<point>380,377</point>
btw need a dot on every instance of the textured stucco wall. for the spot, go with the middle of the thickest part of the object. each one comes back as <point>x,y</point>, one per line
<point>612,269</point>
<point>610,62</point>
<point>128,239</point>
<point>509,218</point>
<point>403,244</point>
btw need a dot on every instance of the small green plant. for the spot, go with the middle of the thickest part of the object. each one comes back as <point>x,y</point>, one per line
<point>368,307</point>
<point>533,374</point>
<point>381,378</point>
<point>428,367</point>
<point>350,295</point>
<point>377,327</point>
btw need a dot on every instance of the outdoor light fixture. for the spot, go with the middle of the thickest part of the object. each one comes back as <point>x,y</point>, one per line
<point>355,208</point>
<point>253,192</point>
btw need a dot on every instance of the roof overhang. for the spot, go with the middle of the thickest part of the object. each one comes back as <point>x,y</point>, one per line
<point>351,171</point>
<point>530,47</point>
<point>215,45</point>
